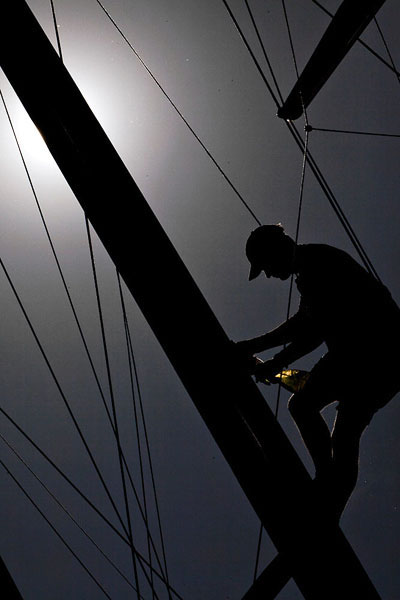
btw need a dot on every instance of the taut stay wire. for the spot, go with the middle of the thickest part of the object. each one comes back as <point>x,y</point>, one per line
<point>55,530</point>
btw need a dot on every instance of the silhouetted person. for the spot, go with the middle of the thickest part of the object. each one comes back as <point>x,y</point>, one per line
<point>347,308</point>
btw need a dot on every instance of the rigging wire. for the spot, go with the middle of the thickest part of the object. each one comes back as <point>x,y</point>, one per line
<point>387,49</point>
<point>256,63</point>
<point>151,468</point>
<point>135,378</point>
<point>72,306</point>
<point>64,509</point>
<point>349,131</point>
<point>260,40</point>
<point>299,210</point>
<point>175,107</point>
<point>301,192</point>
<point>121,456</point>
<point>108,368</point>
<point>306,132</point>
<point>314,167</point>
<point>82,495</point>
<point>139,448</point>
<point>56,258</point>
<point>143,419</point>
<point>61,392</point>
<point>53,10</point>
<point>63,475</point>
<point>290,38</point>
<point>112,396</point>
<point>258,552</point>
<point>360,41</point>
<point>334,203</point>
<point>59,268</point>
<point>55,530</point>
<point>296,239</point>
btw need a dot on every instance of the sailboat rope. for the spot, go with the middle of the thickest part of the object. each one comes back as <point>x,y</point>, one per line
<point>177,110</point>
<point>307,159</point>
<point>63,508</point>
<point>299,210</point>
<point>311,161</point>
<point>360,41</point>
<point>122,460</point>
<point>114,411</point>
<point>58,534</point>
<point>164,577</point>
<point>387,48</point>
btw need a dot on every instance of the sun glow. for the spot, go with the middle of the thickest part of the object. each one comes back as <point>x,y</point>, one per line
<point>31,142</point>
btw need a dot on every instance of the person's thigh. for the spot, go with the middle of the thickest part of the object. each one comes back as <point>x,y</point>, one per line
<point>317,392</point>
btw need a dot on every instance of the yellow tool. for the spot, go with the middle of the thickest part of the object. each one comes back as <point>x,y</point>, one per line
<point>292,380</point>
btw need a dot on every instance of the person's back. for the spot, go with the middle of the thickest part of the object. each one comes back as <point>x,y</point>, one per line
<point>350,307</point>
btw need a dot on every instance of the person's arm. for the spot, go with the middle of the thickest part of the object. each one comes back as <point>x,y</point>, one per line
<point>298,348</point>
<point>293,328</point>
<point>291,352</point>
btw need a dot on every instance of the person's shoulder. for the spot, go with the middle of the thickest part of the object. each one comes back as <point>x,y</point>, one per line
<point>319,253</point>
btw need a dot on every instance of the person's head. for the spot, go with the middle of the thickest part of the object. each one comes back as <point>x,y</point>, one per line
<point>270,250</point>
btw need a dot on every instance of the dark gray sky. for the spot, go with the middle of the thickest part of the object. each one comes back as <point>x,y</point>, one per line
<point>196,54</point>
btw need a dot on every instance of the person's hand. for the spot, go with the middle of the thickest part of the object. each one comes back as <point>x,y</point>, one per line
<point>245,355</point>
<point>265,371</point>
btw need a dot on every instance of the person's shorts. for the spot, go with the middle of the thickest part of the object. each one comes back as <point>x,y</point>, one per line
<point>359,386</point>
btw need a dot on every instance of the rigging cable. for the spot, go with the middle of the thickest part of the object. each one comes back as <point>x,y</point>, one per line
<point>256,63</point>
<point>296,239</point>
<point>290,38</point>
<point>64,509</point>
<point>334,204</point>
<point>55,530</point>
<point>313,165</point>
<point>139,448</point>
<point>81,494</point>
<point>299,210</point>
<point>360,41</point>
<point>387,49</point>
<point>349,131</point>
<point>301,192</point>
<point>263,49</point>
<point>57,261</point>
<point>258,552</point>
<point>71,304</point>
<point>53,10</point>
<point>135,378</point>
<point>114,412</point>
<point>116,431</point>
<point>174,106</point>
<point>63,475</point>
<point>61,392</point>
<point>121,456</point>
<point>108,368</point>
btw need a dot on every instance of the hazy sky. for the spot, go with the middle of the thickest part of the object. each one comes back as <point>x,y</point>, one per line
<point>196,54</point>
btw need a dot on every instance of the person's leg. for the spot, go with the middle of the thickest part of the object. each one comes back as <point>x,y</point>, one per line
<point>305,407</point>
<point>346,435</point>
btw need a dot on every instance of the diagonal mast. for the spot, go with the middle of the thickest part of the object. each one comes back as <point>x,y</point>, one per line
<point>275,481</point>
<point>347,25</point>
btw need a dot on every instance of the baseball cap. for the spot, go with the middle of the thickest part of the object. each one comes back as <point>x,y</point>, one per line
<point>260,242</point>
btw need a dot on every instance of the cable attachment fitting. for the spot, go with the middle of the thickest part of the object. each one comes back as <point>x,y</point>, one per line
<point>308,128</point>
